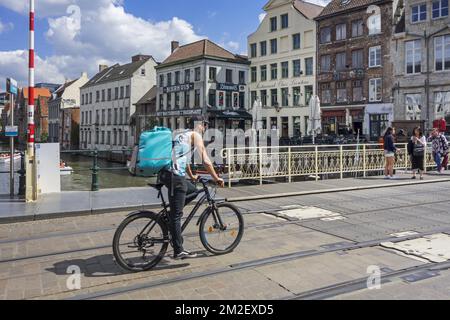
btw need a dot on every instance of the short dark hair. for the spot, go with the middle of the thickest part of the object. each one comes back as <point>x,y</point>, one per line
<point>389,131</point>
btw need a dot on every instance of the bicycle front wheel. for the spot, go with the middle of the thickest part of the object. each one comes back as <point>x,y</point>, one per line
<point>140,242</point>
<point>221,229</point>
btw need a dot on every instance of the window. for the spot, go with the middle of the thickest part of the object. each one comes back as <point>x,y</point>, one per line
<point>253,52</point>
<point>103,137</point>
<point>177,100</point>
<point>212,73</point>
<point>375,90</point>
<point>284,97</point>
<point>375,56</point>
<point>341,92</point>
<point>308,94</point>
<point>109,116</point>
<point>285,70</point>
<point>374,24</point>
<point>212,98</point>
<point>341,61</point>
<point>263,73</point>
<point>103,95</point>
<point>419,13</point>
<point>161,80</point>
<point>273,71</point>
<point>296,67</point>
<point>143,72</point>
<point>177,77</point>
<point>187,99</point>
<point>169,79</point>
<point>326,92</point>
<point>273,46</point>
<point>253,97</point>
<point>169,101</point>
<point>284,21</point>
<point>90,97</point>
<point>122,92</point>
<point>253,74</point>
<point>297,96</point>
<point>103,116</point>
<point>341,31</point>
<point>197,98</point>
<point>109,94</point>
<point>229,76</point>
<point>82,100</point>
<point>197,74</point>
<point>108,137</point>
<point>241,77</point>
<point>441,103</point>
<point>274,97</point>
<point>325,35</point>
<point>309,66</point>
<point>161,102</point>
<point>264,97</point>
<point>120,116</point>
<point>116,116</point>
<point>357,91</point>
<point>413,104</point>
<point>116,93</point>
<point>242,99</point>
<point>97,96</point>
<point>440,9</point>
<point>228,100</point>
<point>187,75</point>
<point>125,138</point>
<point>127,91</point>
<point>263,48</point>
<point>413,54</point>
<point>442,53</point>
<point>357,59</point>
<point>357,28</point>
<point>296,41</point>
<point>273,24</point>
<point>325,63</point>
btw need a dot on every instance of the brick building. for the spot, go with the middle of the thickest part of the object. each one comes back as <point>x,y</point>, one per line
<point>354,78</point>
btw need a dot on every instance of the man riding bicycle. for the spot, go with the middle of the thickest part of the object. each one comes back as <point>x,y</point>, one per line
<point>179,187</point>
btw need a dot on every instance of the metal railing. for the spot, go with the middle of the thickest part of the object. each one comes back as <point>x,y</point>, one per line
<point>21,172</point>
<point>261,163</point>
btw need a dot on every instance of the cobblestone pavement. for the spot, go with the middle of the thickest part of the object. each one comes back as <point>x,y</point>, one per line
<point>280,256</point>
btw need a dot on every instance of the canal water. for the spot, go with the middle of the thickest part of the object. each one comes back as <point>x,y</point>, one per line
<point>81,178</point>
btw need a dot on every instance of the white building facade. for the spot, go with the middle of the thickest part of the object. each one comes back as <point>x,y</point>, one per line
<point>282,52</point>
<point>65,97</point>
<point>202,78</point>
<point>108,101</point>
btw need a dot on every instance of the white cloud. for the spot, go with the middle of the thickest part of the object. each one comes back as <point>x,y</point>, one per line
<point>261,17</point>
<point>233,45</point>
<point>93,32</point>
<point>4,27</point>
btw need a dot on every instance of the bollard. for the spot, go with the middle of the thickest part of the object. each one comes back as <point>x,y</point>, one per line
<point>94,169</point>
<point>22,177</point>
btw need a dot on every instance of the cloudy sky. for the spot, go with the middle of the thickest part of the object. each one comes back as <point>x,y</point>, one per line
<point>73,36</point>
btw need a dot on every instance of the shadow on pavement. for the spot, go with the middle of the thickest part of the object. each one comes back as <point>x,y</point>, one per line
<point>103,266</point>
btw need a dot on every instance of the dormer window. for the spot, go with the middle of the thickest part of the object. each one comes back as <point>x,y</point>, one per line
<point>344,2</point>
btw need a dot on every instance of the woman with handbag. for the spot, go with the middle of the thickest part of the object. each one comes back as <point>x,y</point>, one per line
<point>418,142</point>
<point>389,153</point>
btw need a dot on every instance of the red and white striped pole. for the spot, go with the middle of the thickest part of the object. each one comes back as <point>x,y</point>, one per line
<point>30,142</point>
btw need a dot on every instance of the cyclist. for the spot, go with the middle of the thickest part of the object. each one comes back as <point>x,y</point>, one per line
<point>175,180</point>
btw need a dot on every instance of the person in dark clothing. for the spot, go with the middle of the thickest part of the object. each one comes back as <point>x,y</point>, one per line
<point>416,151</point>
<point>389,153</point>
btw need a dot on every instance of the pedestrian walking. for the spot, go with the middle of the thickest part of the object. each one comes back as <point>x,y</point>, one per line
<point>416,150</point>
<point>440,150</point>
<point>389,153</point>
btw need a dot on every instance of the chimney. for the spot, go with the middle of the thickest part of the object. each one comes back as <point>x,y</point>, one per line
<point>140,57</point>
<point>102,67</point>
<point>84,74</point>
<point>174,45</point>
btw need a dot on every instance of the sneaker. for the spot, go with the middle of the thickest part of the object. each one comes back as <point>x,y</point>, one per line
<point>386,177</point>
<point>421,178</point>
<point>393,178</point>
<point>185,255</point>
<point>414,178</point>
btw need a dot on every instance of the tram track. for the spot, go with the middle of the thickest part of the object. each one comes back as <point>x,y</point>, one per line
<point>243,266</point>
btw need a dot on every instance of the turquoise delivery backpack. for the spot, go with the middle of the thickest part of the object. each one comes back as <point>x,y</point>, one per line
<point>155,152</point>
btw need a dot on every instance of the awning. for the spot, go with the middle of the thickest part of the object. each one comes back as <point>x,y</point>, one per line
<point>231,114</point>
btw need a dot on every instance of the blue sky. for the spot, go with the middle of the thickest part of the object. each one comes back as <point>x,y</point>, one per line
<point>73,36</point>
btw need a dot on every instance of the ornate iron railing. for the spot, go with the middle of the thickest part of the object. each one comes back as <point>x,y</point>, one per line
<point>260,163</point>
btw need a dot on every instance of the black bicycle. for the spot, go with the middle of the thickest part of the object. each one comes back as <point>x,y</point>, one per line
<point>142,239</point>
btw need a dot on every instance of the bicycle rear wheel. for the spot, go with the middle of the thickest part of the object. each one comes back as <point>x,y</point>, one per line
<point>140,242</point>
<point>222,229</point>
